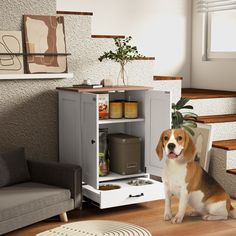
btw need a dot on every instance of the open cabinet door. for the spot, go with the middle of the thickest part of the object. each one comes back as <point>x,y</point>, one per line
<point>157,119</point>
<point>89,129</point>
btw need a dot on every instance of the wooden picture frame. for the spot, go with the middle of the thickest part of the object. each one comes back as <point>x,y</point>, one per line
<point>45,44</point>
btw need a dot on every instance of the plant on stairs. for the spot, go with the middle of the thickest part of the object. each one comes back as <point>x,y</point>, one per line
<point>123,54</point>
<point>183,119</point>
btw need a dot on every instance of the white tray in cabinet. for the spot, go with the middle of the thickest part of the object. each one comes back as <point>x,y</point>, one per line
<point>126,195</point>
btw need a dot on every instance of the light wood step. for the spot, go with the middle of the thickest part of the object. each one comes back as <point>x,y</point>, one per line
<point>143,58</point>
<point>74,13</point>
<point>223,126</point>
<point>232,171</point>
<point>225,149</point>
<point>162,77</point>
<point>99,36</point>
<point>225,144</point>
<point>216,119</point>
<point>194,93</point>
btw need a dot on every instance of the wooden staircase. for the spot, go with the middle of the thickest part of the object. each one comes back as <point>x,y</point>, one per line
<point>222,118</point>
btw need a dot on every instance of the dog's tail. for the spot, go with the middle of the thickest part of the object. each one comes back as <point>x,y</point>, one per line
<point>232,212</point>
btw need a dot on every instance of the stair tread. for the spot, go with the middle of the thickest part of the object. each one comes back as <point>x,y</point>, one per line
<point>225,144</point>
<point>194,93</point>
<point>144,58</point>
<point>107,36</point>
<point>83,13</point>
<point>216,118</point>
<point>164,77</point>
<point>232,171</point>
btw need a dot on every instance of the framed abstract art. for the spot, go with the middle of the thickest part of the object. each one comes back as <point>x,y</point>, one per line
<point>45,44</point>
<point>11,58</point>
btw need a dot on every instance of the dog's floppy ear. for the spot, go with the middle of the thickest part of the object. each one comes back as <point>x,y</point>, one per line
<point>189,148</point>
<point>159,148</point>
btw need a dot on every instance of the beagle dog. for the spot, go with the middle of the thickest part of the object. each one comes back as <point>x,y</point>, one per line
<point>184,178</point>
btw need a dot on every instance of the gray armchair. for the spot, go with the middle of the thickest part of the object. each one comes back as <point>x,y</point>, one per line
<point>62,175</point>
<point>48,189</point>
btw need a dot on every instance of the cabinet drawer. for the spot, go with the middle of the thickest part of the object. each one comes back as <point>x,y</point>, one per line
<point>126,194</point>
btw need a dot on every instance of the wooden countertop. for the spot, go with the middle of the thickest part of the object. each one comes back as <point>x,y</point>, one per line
<point>104,89</point>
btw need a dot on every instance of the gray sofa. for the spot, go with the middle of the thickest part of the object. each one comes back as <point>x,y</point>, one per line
<point>46,190</point>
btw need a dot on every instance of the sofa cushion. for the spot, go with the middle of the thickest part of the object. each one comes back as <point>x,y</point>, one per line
<point>28,197</point>
<point>13,168</point>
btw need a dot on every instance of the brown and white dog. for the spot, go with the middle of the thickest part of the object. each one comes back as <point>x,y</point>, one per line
<point>184,178</point>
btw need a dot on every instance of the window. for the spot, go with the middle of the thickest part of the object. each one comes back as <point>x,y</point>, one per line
<point>220,23</point>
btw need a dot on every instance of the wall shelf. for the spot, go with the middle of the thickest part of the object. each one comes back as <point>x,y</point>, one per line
<point>51,54</point>
<point>35,76</point>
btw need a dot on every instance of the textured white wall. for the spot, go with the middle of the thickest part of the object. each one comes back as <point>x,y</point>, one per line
<point>160,28</point>
<point>28,108</point>
<point>209,74</point>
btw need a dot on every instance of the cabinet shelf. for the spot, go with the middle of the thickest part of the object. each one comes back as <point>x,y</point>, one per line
<point>123,120</point>
<point>115,176</point>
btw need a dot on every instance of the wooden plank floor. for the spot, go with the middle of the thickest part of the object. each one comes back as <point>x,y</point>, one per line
<point>148,215</point>
<point>193,93</point>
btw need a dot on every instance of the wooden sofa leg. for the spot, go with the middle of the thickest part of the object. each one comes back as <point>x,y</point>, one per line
<point>63,217</point>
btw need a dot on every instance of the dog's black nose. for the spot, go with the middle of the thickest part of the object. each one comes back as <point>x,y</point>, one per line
<point>171,146</point>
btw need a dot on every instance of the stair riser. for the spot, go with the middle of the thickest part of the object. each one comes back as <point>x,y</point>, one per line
<point>89,67</point>
<point>174,86</point>
<point>231,160</point>
<point>214,106</point>
<point>223,131</point>
<point>79,25</point>
<point>218,171</point>
<point>230,157</point>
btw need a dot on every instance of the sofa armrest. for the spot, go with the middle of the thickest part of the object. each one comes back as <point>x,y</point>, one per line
<point>58,174</point>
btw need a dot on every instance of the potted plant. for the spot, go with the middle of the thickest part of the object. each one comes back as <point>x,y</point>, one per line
<point>123,54</point>
<point>183,119</point>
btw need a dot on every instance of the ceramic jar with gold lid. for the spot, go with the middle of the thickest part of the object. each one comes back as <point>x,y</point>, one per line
<point>116,109</point>
<point>131,109</point>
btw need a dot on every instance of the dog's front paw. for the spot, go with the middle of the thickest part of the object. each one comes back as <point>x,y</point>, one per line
<point>167,216</point>
<point>177,219</point>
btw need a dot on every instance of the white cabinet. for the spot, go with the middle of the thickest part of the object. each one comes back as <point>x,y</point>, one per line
<point>79,140</point>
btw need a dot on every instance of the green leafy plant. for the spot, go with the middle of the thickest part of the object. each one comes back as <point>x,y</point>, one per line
<point>183,119</point>
<point>123,54</point>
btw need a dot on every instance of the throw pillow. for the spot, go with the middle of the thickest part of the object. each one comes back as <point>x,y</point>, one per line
<point>13,168</point>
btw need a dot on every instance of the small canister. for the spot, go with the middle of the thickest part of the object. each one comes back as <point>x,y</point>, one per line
<point>131,109</point>
<point>116,109</point>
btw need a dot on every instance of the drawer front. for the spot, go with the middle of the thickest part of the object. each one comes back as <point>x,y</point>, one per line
<point>127,195</point>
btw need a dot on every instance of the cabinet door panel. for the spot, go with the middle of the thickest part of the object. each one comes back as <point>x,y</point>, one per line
<point>89,129</point>
<point>157,119</point>
<point>69,128</point>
